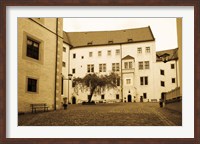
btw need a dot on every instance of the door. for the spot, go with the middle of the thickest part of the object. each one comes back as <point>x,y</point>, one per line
<point>129,98</point>
<point>141,98</point>
<point>73,100</point>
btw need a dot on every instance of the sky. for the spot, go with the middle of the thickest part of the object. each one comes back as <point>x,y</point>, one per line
<point>164,29</point>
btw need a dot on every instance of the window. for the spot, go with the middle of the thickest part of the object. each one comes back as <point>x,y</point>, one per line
<point>82,57</point>
<point>117,96</point>
<point>118,81</point>
<point>139,50</point>
<point>102,67</point>
<point>102,97</point>
<point>90,54</point>
<point>140,65</point>
<point>130,65</point>
<point>73,71</point>
<point>32,49</point>
<point>62,85</point>
<point>162,72</point>
<point>63,64</point>
<point>128,81</point>
<point>32,85</point>
<point>109,52</point>
<point>173,80</point>
<point>90,68</point>
<point>147,49</point>
<point>144,95</point>
<point>74,55</point>
<point>144,80</point>
<point>99,53</point>
<point>146,64</point>
<point>172,66</point>
<point>89,43</point>
<point>130,40</point>
<point>162,83</point>
<point>110,42</point>
<point>126,65</point>
<point>64,49</point>
<point>117,52</point>
<point>115,66</point>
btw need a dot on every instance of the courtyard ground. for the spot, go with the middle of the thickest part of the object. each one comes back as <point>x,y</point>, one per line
<point>116,114</point>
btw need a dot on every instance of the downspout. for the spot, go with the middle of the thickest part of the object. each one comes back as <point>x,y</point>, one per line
<point>176,75</point>
<point>121,72</point>
<point>56,63</point>
<point>68,71</point>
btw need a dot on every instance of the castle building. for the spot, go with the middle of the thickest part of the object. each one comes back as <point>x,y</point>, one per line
<point>40,43</point>
<point>130,53</point>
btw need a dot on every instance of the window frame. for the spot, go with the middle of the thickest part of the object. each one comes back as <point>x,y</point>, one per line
<point>31,48</point>
<point>36,87</point>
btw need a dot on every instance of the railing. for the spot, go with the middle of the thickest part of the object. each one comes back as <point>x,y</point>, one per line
<point>174,94</point>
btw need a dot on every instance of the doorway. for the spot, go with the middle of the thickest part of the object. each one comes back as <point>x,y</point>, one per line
<point>73,100</point>
<point>141,98</point>
<point>129,98</point>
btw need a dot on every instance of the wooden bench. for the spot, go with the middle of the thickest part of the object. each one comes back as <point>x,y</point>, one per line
<point>39,106</point>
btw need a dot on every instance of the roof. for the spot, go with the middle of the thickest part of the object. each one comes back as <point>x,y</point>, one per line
<point>81,39</point>
<point>127,57</point>
<point>172,53</point>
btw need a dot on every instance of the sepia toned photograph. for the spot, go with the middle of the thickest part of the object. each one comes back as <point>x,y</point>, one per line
<point>99,71</point>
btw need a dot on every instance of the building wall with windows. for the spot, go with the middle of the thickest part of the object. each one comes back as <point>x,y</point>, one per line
<point>130,53</point>
<point>39,48</point>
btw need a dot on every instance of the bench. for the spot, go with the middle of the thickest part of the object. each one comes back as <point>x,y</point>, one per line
<point>39,106</point>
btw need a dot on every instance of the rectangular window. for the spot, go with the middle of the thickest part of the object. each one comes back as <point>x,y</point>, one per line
<point>90,54</point>
<point>118,81</point>
<point>139,50</point>
<point>82,57</point>
<point>102,67</point>
<point>144,80</point>
<point>32,85</point>
<point>102,97</point>
<point>73,71</point>
<point>32,49</point>
<point>146,64</point>
<point>63,64</point>
<point>144,95</point>
<point>117,96</point>
<point>90,68</point>
<point>173,80</point>
<point>117,52</point>
<point>130,65</point>
<point>162,83</point>
<point>64,49</point>
<point>74,55</point>
<point>115,66</point>
<point>147,49</point>
<point>73,83</point>
<point>140,65</point>
<point>126,65</point>
<point>99,53</point>
<point>109,52</point>
<point>128,81</point>
<point>172,66</point>
<point>162,72</point>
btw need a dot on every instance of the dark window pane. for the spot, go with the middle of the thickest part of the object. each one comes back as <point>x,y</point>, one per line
<point>32,49</point>
<point>32,85</point>
<point>146,80</point>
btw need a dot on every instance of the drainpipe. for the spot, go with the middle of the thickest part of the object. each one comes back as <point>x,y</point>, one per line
<point>121,72</point>
<point>176,75</point>
<point>56,63</point>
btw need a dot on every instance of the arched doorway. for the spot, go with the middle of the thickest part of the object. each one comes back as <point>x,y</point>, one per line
<point>73,100</point>
<point>129,98</point>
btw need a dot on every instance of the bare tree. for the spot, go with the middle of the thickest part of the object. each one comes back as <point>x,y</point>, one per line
<point>96,83</point>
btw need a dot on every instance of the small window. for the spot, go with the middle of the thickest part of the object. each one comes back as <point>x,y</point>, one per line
<point>99,53</point>
<point>141,80</point>
<point>74,55</point>
<point>73,71</point>
<point>172,66</point>
<point>162,72</point>
<point>90,54</point>
<point>162,83</point>
<point>140,65</point>
<point>90,68</point>
<point>144,95</point>
<point>102,97</point>
<point>117,52</point>
<point>110,42</point>
<point>146,80</point>
<point>147,49</point>
<point>82,57</point>
<point>32,85</point>
<point>118,81</point>
<point>130,40</point>
<point>126,65</point>
<point>109,52</point>
<point>117,96</point>
<point>128,81</point>
<point>173,80</point>
<point>73,83</point>
<point>146,64</point>
<point>139,50</point>
<point>64,49</point>
<point>32,49</point>
<point>63,64</point>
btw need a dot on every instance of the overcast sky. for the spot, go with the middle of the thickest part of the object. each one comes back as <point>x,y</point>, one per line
<point>164,29</point>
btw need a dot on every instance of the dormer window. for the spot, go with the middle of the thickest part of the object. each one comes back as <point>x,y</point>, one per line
<point>110,42</point>
<point>130,40</point>
<point>89,43</point>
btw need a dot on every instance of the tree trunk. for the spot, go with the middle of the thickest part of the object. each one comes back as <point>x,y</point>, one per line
<point>91,94</point>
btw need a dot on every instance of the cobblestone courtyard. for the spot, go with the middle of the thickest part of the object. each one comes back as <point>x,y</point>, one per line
<point>117,114</point>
